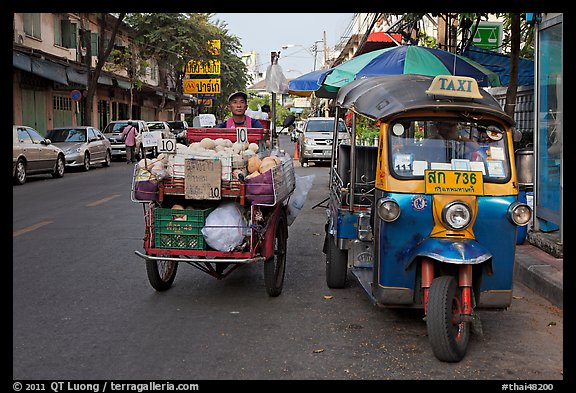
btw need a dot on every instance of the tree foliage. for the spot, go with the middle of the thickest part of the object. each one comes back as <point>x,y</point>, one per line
<point>176,38</point>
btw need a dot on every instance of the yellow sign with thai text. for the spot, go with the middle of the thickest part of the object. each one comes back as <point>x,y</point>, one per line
<point>453,182</point>
<point>214,47</point>
<point>202,86</point>
<point>201,67</point>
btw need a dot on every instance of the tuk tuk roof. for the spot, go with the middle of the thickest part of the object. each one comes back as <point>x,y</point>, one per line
<point>384,96</point>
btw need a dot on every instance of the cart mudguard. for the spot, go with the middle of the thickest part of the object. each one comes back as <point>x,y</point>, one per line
<point>267,249</point>
<point>457,251</point>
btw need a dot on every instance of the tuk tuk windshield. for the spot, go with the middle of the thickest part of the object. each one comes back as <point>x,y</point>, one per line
<point>420,144</point>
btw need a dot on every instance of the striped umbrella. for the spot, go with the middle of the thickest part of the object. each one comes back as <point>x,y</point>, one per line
<point>408,59</point>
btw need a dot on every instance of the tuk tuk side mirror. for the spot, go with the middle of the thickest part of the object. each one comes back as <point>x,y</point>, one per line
<point>517,135</point>
<point>288,121</point>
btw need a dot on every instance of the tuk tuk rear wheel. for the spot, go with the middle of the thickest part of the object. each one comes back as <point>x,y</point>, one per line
<point>447,332</point>
<point>275,267</point>
<point>336,265</point>
<point>161,274</point>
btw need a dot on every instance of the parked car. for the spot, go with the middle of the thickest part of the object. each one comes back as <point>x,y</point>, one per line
<point>178,128</point>
<point>113,131</point>
<point>84,146</point>
<point>161,126</point>
<point>315,140</point>
<point>33,154</point>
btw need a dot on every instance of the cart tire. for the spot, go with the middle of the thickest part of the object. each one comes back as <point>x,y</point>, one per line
<point>336,264</point>
<point>448,335</point>
<point>161,274</point>
<point>275,267</point>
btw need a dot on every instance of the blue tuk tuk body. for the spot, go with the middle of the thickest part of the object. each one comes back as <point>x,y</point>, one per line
<point>432,233</point>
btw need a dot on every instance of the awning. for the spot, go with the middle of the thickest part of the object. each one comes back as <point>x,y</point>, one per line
<point>500,64</point>
<point>49,70</point>
<point>21,61</point>
<point>126,85</point>
<point>105,80</point>
<point>77,76</point>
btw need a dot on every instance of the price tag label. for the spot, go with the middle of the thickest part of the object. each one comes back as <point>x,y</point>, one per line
<point>167,146</point>
<point>242,134</point>
<point>202,179</point>
<point>151,138</point>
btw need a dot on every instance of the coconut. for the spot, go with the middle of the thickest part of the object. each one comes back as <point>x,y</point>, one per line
<point>207,143</point>
<point>254,164</point>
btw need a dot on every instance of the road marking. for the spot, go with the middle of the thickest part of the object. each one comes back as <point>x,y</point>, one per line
<point>103,200</point>
<point>30,228</point>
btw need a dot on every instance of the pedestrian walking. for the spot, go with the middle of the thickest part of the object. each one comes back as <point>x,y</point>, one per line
<point>129,135</point>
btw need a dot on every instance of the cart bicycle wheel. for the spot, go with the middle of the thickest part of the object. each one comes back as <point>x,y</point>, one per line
<point>448,333</point>
<point>275,267</point>
<point>161,273</point>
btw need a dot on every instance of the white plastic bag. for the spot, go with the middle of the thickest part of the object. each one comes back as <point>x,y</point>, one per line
<point>298,198</point>
<point>225,227</point>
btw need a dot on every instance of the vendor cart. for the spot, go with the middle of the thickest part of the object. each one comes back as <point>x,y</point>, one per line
<point>184,201</point>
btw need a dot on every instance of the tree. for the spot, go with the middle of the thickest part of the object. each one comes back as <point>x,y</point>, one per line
<point>176,38</point>
<point>129,60</point>
<point>103,54</point>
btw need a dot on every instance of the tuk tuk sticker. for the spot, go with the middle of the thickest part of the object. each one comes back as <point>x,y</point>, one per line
<point>418,202</point>
<point>495,168</point>
<point>497,153</point>
<point>419,167</point>
<point>451,182</point>
<point>403,162</point>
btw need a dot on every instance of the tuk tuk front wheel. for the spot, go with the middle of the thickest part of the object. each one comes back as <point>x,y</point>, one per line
<point>275,267</point>
<point>336,264</point>
<point>448,333</point>
<point>161,274</point>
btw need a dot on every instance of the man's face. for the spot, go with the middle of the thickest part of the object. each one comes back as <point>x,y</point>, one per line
<point>237,106</point>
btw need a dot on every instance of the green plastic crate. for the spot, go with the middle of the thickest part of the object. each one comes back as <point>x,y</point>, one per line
<point>180,228</point>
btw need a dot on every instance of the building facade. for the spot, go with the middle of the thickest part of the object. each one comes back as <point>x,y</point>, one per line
<point>50,74</point>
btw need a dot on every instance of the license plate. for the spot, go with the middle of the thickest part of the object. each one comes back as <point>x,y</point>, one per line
<point>453,182</point>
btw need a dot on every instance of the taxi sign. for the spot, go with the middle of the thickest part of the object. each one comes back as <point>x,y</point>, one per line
<point>454,86</point>
<point>453,182</point>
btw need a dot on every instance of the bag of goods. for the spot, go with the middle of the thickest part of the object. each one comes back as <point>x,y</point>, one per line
<point>225,227</point>
<point>145,185</point>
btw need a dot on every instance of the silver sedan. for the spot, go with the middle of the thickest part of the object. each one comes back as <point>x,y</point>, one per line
<point>84,146</point>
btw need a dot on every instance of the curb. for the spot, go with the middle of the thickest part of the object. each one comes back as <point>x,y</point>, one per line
<point>540,272</point>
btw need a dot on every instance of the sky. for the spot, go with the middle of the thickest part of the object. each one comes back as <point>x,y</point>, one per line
<point>268,32</point>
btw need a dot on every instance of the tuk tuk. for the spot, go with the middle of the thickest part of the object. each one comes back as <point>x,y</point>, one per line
<point>428,218</point>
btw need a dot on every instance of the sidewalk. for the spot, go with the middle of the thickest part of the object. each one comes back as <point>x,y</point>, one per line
<point>541,270</point>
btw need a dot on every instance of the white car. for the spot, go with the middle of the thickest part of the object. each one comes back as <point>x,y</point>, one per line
<point>113,131</point>
<point>161,126</point>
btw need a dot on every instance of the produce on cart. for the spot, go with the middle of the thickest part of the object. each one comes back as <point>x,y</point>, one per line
<point>216,204</point>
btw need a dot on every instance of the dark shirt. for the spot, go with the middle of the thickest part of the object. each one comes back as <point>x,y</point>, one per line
<point>255,124</point>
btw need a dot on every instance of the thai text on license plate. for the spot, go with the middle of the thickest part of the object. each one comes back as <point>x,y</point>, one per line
<point>453,182</point>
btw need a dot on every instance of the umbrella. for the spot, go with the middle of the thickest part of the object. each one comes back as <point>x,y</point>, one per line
<point>310,83</point>
<point>399,60</point>
<point>409,59</point>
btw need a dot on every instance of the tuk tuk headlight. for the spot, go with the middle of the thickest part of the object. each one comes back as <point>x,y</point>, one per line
<point>457,215</point>
<point>388,209</point>
<point>519,213</point>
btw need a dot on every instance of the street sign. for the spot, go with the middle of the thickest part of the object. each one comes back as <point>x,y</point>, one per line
<point>209,67</point>
<point>76,95</point>
<point>199,86</point>
<point>488,35</point>
<point>214,47</point>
